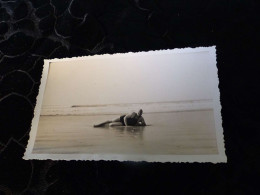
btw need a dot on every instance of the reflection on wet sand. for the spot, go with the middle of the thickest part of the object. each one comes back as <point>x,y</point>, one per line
<point>189,132</point>
<point>128,130</point>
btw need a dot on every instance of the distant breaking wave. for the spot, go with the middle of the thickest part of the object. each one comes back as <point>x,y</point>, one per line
<point>148,107</point>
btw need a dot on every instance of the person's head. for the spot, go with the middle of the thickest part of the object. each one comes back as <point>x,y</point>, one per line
<point>140,112</point>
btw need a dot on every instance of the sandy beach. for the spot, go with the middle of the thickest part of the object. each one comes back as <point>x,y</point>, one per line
<point>189,132</point>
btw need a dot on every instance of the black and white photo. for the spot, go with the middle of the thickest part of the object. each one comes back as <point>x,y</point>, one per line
<point>156,106</point>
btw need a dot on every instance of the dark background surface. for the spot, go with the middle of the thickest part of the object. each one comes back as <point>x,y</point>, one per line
<point>31,31</point>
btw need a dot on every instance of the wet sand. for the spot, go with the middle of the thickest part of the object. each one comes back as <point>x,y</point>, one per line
<point>175,133</point>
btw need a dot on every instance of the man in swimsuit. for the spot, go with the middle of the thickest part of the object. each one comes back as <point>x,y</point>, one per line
<point>126,120</point>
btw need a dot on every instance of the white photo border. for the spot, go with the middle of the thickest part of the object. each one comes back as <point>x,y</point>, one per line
<point>219,158</point>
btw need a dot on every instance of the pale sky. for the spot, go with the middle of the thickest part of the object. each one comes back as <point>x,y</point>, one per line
<point>150,78</point>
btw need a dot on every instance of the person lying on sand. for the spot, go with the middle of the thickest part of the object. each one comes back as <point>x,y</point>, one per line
<point>132,119</point>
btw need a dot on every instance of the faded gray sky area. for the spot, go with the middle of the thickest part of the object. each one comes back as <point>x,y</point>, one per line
<point>123,79</point>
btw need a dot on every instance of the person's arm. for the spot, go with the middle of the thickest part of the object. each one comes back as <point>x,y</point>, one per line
<point>141,121</point>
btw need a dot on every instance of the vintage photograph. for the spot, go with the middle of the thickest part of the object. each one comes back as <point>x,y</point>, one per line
<point>156,106</point>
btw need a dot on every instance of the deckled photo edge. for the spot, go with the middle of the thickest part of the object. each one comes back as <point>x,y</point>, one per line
<point>219,158</point>
<point>37,111</point>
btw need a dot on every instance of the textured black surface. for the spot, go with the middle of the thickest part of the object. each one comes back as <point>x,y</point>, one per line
<point>31,31</point>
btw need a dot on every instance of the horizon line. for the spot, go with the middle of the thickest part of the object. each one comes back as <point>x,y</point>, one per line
<point>100,105</point>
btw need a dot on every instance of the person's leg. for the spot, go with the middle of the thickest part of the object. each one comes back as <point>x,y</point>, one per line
<point>106,122</point>
<point>102,124</point>
<point>115,124</point>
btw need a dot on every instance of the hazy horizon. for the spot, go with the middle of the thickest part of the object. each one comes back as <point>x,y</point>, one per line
<point>165,78</point>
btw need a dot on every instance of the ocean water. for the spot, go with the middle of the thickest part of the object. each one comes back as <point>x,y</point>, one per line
<point>175,133</point>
